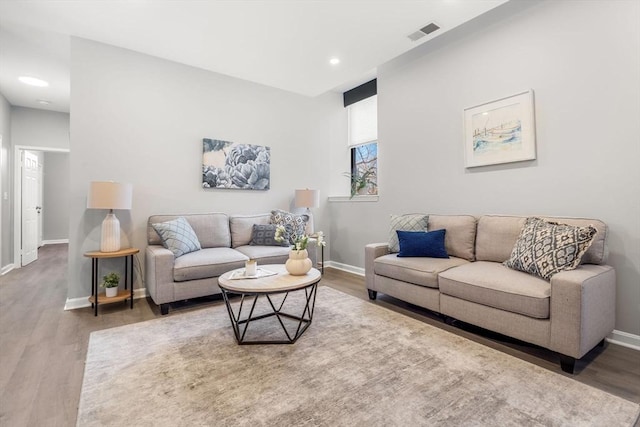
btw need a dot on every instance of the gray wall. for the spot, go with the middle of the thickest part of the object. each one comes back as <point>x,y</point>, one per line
<point>141,120</point>
<point>587,104</point>
<point>6,186</point>
<point>55,220</point>
<point>39,128</point>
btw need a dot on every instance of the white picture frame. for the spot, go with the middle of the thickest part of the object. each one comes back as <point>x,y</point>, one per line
<point>500,131</point>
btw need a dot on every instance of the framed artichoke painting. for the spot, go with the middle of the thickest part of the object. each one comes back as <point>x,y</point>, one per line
<point>500,131</point>
<point>226,164</point>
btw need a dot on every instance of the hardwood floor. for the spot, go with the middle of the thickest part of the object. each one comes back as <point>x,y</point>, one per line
<point>43,347</point>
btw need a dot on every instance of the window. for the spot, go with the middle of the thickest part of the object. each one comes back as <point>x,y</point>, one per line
<point>364,169</point>
<point>363,144</point>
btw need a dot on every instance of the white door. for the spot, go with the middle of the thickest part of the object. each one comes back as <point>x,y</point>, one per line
<point>40,201</point>
<point>29,204</point>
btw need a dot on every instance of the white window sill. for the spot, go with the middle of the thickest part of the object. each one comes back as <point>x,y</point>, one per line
<point>362,198</point>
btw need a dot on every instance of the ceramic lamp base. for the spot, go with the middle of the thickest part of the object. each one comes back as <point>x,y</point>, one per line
<point>110,241</point>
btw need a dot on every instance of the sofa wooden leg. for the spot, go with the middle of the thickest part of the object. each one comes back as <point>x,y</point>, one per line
<point>164,309</point>
<point>567,363</point>
<point>372,294</point>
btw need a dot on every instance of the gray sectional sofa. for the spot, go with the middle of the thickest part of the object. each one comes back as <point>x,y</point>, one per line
<point>570,314</point>
<point>225,241</point>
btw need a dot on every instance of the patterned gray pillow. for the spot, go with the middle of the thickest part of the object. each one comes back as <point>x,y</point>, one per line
<point>545,248</point>
<point>177,236</point>
<point>264,235</point>
<point>408,222</point>
<point>296,225</point>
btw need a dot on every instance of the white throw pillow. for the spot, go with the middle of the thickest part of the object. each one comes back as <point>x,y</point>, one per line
<point>408,222</point>
<point>178,236</point>
<point>296,225</point>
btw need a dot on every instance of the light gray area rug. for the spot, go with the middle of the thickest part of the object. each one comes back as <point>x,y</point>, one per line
<point>358,364</point>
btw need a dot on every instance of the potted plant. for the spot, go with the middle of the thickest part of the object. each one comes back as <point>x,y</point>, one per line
<point>362,180</point>
<point>299,263</point>
<point>110,283</point>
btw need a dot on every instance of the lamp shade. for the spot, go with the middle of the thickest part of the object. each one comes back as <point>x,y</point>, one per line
<point>307,198</point>
<point>109,195</point>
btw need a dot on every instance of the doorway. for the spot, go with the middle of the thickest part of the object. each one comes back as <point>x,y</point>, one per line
<point>28,202</point>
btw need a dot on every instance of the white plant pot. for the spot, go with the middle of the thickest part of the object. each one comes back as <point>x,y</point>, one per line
<point>111,292</point>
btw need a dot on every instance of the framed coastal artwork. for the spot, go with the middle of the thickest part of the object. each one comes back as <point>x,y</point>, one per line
<point>226,164</point>
<point>500,131</point>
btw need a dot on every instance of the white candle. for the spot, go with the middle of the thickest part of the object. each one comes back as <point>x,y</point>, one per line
<point>250,267</point>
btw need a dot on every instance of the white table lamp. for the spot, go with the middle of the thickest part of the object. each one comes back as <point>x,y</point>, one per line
<point>308,199</point>
<point>110,195</point>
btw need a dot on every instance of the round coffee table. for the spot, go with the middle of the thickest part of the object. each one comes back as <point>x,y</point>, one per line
<point>280,283</point>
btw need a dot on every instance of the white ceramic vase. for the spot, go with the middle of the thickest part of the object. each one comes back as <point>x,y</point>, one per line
<point>111,292</point>
<point>298,263</point>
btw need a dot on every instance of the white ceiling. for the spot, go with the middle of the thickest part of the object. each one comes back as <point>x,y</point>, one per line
<point>285,44</point>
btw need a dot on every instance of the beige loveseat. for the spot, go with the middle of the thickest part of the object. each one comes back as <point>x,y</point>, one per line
<point>225,241</point>
<point>570,314</point>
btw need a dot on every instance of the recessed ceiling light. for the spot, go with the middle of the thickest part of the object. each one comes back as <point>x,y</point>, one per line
<point>334,61</point>
<point>33,81</point>
<point>43,101</point>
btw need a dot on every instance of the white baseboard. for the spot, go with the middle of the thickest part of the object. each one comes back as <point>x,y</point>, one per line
<point>7,268</point>
<point>82,302</point>
<point>625,339</point>
<point>54,242</point>
<point>345,267</point>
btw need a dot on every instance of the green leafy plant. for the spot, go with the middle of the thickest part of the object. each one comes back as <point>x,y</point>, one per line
<point>111,280</point>
<point>300,242</point>
<point>361,179</point>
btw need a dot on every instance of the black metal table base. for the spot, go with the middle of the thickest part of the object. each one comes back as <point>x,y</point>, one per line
<point>304,320</point>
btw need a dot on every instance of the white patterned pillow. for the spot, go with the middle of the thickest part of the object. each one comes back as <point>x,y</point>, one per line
<point>177,236</point>
<point>409,222</point>
<point>296,225</point>
<point>545,248</point>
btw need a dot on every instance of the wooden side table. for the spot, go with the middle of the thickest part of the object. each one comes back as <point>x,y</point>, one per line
<point>95,256</point>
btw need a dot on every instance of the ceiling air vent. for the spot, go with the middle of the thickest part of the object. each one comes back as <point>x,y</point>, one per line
<point>427,29</point>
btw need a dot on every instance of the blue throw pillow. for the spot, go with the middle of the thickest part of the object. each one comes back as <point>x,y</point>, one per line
<point>422,244</point>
